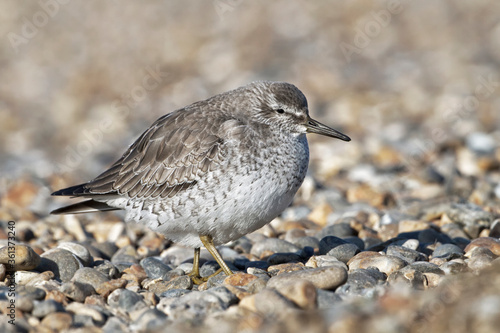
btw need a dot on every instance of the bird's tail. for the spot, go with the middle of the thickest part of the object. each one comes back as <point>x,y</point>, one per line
<point>89,206</point>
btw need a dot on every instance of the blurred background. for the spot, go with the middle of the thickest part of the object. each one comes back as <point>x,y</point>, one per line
<point>414,83</point>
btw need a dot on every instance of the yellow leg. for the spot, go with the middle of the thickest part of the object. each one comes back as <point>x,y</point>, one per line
<point>195,273</point>
<point>209,244</point>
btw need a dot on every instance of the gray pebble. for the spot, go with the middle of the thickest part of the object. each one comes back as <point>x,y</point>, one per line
<point>481,143</point>
<point>77,291</point>
<point>360,281</point>
<point>356,240</point>
<point>150,320</point>
<point>408,276</point>
<point>154,268</point>
<point>425,267</point>
<point>115,324</point>
<point>257,264</point>
<point>480,258</point>
<point>472,217</point>
<point>43,308</point>
<point>408,255</point>
<point>227,298</point>
<point>454,267</point>
<point>454,230</point>
<point>61,262</point>
<point>107,268</point>
<point>78,250</point>
<point>432,236</point>
<point>175,293</point>
<point>126,255</point>
<point>324,277</point>
<point>327,299</point>
<point>274,245</point>
<point>295,213</point>
<point>329,242</point>
<point>107,249</point>
<point>447,251</point>
<point>344,252</point>
<point>33,293</point>
<point>280,258</point>
<point>130,301</point>
<point>302,242</point>
<point>209,268</point>
<point>194,306</point>
<point>495,226</point>
<point>89,276</point>
<point>338,230</point>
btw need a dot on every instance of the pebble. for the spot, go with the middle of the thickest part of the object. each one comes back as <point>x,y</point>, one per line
<point>306,241</point>
<point>301,292</point>
<point>127,255</point>
<point>159,286</point>
<point>280,258</point>
<point>57,321</point>
<point>90,277</point>
<point>408,255</point>
<point>106,288</point>
<point>193,306</point>
<point>22,257</point>
<point>324,277</point>
<point>150,320</point>
<point>361,282</point>
<point>337,230</point>
<point>268,302</point>
<point>327,299</point>
<point>480,258</point>
<point>472,217</point>
<point>384,263</point>
<point>453,267</point>
<point>77,291</point>
<point>154,267</point>
<point>481,143</point>
<point>408,276</point>
<point>490,243</point>
<point>61,262</point>
<point>272,245</point>
<point>107,268</point>
<point>93,311</point>
<point>43,308</point>
<point>495,226</point>
<point>324,261</point>
<point>239,279</point>
<point>226,296</point>
<point>24,277</point>
<point>129,300</point>
<point>449,251</point>
<point>78,250</point>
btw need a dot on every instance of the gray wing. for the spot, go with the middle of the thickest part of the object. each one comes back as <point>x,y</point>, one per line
<point>169,157</point>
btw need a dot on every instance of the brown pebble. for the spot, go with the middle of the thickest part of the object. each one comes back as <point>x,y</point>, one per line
<point>58,321</point>
<point>24,258</point>
<point>238,291</point>
<point>106,288</point>
<point>490,243</point>
<point>95,300</point>
<point>285,268</point>
<point>134,273</point>
<point>301,292</point>
<point>239,279</point>
<point>57,296</point>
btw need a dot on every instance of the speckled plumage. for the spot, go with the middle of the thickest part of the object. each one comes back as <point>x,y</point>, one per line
<point>222,167</point>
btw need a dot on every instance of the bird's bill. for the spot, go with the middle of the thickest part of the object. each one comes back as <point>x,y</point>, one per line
<point>314,126</point>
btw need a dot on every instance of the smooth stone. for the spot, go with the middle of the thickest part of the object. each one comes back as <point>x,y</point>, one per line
<point>61,262</point>
<point>154,268</point>
<point>210,267</point>
<point>454,230</point>
<point>268,302</point>
<point>77,291</point>
<point>24,277</point>
<point>324,277</point>
<point>450,251</point>
<point>301,292</point>
<point>344,252</point>
<point>57,321</point>
<point>329,242</point>
<point>256,264</point>
<point>108,269</point>
<point>89,276</point>
<point>126,255</point>
<point>78,250</point>
<point>356,240</point>
<point>481,143</point>
<point>306,241</point>
<point>425,267</point>
<point>386,264</point>
<point>408,276</point>
<point>130,301</point>
<point>96,313</point>
<point>174,293</point>
<point>24,258</point>
<point>33,293</point>
<point>480,258</point>
<point>472,217</point>
<point>327,299</point>
<point>361,281</point>
<point>432,236</point>
<point>149,321</point>
<point>239,279</point>
<point>324,261</point>
<point>194,306</point>
<point>115,324</point>
<point>108,249</point>
<point>337,230</point>
<point>490,243</point>
<point>295,213</point>
<point>273,245</point>
<point>454,267</point>
<point>181,282</point>
<point>280,258</point>
<point>411,244</point>
<point>225,296</point>
<point>106,288</point>
<point>43,308</point>
<point>406,254</point>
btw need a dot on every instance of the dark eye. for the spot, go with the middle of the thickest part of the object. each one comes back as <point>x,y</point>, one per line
<point>280,111</point>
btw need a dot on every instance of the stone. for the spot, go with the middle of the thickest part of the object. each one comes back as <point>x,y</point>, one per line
<point>126,255</point>
<point>329,242</point>
<point>43,308</point>
<point>492,244</point>
<point>239,279</point>
<point>175,293</point>
<point>90,277</point>
<point>472,217</point>
<point>450,251</point>
<point>495,226</point>
<point>107,268</point>
<point>280,258</point>
<point>337,230</point>
<point>406,254</point>
<point>24,277</point>
<point>384,263</point>
<point>150,320</point>
<point>57,321</point>
<point>268,302</point>
<point>480,258</point>
<point>454,267</point>
<point>361,282</point>
<point>324,277</point>
<point>92,311</point>
<point>193,306</point>
<point>61,262</point>
<point>306,241</point>
<point>106,288</point>
<point>130,301</point>
<point>77,291</point>
<point>410,277</point>
<point>327,299</point>
<point>21,257</point>
<point>323,261</point>
<point>159,286</point>
<point>432,236</point>
<point>154,268</point>
<point>273,245</point>
<point>78,250</point>
<point>300,292</point>
<point>344,252</point>
<point>225,295</point>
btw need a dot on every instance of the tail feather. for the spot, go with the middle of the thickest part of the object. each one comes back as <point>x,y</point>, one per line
<point>89,206</point>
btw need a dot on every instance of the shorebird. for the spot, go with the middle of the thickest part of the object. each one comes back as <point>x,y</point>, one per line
<point>212,171</point>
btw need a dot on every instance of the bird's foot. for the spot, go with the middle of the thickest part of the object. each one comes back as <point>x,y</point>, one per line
<point>197,279</point>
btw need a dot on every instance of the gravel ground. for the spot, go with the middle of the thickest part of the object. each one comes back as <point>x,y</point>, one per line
<point>396,231</point>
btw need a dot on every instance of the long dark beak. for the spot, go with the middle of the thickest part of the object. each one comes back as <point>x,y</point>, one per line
<point>314,126</point>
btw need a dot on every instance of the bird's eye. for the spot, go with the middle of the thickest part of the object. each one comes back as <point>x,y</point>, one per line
<point>280,111</point>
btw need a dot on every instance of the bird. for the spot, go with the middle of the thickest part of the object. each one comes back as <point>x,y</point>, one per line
<point>213,171</point>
